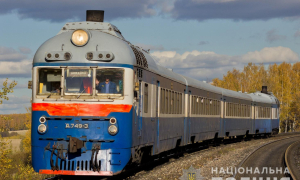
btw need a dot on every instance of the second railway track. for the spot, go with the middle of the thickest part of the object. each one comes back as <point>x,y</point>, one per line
<point>267,160</point>
<point>291,154</point>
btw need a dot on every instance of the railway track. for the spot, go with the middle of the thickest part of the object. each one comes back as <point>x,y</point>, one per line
<point>267,161</point>
<point>291,164</point>
<point>159,161</point>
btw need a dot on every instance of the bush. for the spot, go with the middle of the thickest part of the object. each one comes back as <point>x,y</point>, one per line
<point>5,159</point>
<point>5,134</point>
<point>16,166</point>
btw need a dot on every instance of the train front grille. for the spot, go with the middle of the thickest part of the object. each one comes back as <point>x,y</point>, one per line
<point>77,165</point>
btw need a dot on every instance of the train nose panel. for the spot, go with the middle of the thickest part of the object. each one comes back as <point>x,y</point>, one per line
<point>98,162</point>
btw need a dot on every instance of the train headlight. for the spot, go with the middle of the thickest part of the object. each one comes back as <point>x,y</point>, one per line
<point>42,119</point>
<point>80,37</point>
<point>42,128</point>
<point>112,121</point>
<point>112,129</point>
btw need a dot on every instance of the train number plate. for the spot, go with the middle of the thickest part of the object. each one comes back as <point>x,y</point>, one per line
<point>78,126</point>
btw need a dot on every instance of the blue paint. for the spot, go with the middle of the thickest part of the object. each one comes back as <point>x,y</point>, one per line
<point>120,143</point>
<point>84,64</point>
<point>116,163</point>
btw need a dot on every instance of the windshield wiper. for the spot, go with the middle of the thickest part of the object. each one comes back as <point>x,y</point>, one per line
<point>81,93</point>
<point>50,95</point>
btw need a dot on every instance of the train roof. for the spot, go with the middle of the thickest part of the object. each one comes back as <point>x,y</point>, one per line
<point>90,25</point>
<point>108,38</point>
<point>262,98</point>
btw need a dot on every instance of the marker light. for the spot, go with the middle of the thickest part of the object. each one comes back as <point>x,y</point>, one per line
<point>67,56</point>
<point>42,128</point>
<point>112,129</point>
<point>80,37</point>
<point>112,121</point>
<point>42,119</point>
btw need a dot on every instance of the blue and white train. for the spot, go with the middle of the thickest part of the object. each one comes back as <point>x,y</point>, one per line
<point>100,103</point>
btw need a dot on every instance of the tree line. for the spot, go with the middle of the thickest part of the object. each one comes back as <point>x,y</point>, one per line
<point>281,79</point>
<point>15,122</point>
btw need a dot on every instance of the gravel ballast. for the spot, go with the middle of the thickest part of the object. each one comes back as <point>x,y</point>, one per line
<point>224,156</point>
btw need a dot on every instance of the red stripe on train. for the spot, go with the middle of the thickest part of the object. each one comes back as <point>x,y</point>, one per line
<point>77,109</point>
<point>89,173</point>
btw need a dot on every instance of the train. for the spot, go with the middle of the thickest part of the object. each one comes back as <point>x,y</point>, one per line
<point>101,104</point>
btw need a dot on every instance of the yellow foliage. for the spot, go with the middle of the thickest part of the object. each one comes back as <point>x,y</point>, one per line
<point>283,80</point>
<point>25,172</point>
<point>26,142</point>
<point>6,89</point>
<point>5,158</point>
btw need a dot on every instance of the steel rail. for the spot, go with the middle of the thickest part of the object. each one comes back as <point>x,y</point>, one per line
<point>188,151</point>
<point>258,148</point>
<point>288,153</point>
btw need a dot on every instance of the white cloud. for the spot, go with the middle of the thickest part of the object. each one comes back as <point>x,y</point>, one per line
<point>271,55</point>
<point>14,63</point>
<point>207,64</point>
<point>25,50</point>
<point>9,54</point>
<point>15,69</point>
<point>15,104</point>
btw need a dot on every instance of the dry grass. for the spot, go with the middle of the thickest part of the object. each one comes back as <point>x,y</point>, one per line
<point>15,141</point>
<point>14,144</point>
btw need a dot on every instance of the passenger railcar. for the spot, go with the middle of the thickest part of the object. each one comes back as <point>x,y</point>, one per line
<point>100,103</point>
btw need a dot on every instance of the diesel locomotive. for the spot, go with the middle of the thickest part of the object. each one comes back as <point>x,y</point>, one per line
<point>99,103</point>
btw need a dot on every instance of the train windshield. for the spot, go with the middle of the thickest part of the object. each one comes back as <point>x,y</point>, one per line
<point>109,81</point>
<point>49,81</point>
<point>78,81</point>
<point>81,83</point>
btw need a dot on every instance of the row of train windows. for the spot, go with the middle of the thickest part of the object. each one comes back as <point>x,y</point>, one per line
<point>263,112</point>
<point>205,106</point>
<point>238,110</point>
<point>170,102</point>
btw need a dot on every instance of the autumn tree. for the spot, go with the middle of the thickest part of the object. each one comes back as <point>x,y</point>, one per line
<point>282,80</point>
<point>5,150</point>
<point>6,89</point>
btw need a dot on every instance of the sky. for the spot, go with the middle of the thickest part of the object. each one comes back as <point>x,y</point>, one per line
<point>202,39</point>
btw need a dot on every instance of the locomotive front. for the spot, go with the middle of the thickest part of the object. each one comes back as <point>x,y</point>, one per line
<point>82,101</point>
